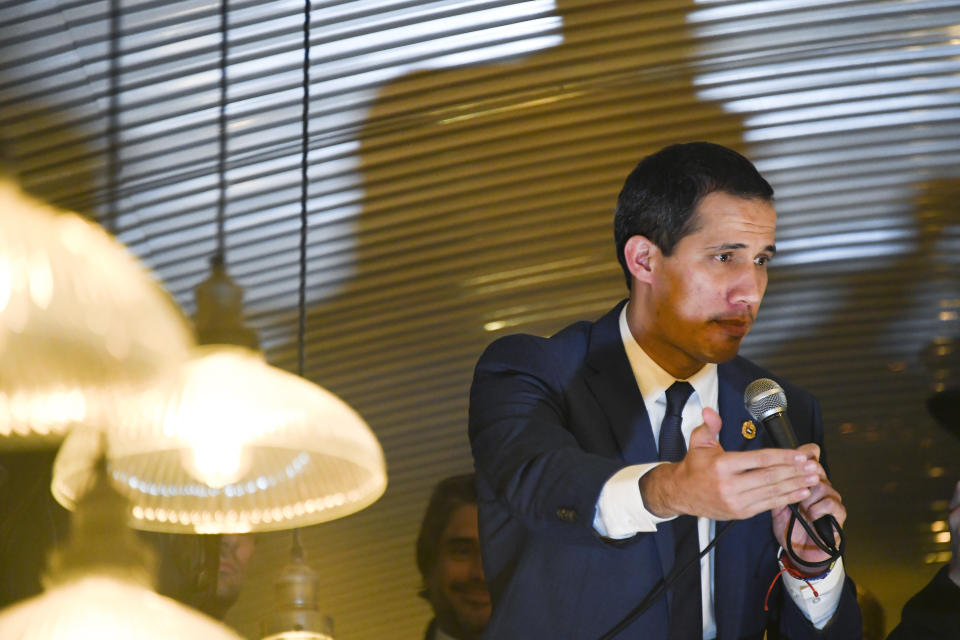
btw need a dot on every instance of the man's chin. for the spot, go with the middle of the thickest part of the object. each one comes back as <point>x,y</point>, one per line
<point>466,620</point>
<point>473,611</point>
<point>227,597</point>
<point>723,350</point>
<point>474,622</point>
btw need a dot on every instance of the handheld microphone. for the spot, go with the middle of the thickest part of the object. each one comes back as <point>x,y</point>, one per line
<point>767,403</point>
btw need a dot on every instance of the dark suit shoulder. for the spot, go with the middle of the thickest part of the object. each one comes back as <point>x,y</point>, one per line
<point>565,348</point>
<point>564,352</point>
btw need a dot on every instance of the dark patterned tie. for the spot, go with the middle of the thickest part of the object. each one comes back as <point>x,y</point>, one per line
<point>686,610</point>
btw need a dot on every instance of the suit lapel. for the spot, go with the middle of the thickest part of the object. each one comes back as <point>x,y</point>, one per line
<point>614,386</point>
<point>731,551</point>
<point>612,382</point>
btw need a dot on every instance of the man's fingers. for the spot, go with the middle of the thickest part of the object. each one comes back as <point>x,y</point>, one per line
<point>790,479</point>
<point>824,500</point>
<point>780,500</point>
<point>738,461</point>
<point>706,434</point>
<point>811,450</point>
<point>790,489</point>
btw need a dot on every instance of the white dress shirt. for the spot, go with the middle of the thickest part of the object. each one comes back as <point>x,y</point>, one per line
<point>620,510</point>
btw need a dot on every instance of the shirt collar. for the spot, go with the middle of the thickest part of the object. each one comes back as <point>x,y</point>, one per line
<point>651,378</point>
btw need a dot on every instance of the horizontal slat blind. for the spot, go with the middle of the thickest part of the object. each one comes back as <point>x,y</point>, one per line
<point>465,157</point>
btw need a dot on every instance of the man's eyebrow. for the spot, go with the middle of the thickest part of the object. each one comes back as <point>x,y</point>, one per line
<point>732,246</point>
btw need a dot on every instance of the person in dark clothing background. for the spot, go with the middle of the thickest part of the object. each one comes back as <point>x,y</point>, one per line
<point>205,572</point>
<point>934,612</point>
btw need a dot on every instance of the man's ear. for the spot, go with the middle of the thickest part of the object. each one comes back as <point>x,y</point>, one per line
<point>641,256</point>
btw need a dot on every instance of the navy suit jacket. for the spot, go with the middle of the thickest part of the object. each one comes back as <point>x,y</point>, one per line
<point>551,419</point>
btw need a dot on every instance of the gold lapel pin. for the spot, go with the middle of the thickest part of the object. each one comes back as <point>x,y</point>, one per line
<point>749,430</point>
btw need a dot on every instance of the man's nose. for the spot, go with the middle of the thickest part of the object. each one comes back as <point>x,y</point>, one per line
<point>749,287</point>
<point>476,566</point>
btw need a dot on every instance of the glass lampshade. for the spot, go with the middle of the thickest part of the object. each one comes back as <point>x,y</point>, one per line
<point>99,606</point>
<point>97,584</point>
<point>236,446</point>
<point>299,635</point>
<point>81,321</point>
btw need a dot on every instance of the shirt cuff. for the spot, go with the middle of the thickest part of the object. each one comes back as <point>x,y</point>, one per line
<point>620,511</point>
<point>820,607</point>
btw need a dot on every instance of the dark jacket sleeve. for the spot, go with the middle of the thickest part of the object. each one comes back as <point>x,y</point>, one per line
<point>933,613</point>
<point>524,451</point>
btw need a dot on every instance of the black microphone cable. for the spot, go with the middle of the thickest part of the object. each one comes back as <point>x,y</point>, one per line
<point>829,547</point>
<point>766,401</point>
<point>663,585</point>
<point>833,551</point>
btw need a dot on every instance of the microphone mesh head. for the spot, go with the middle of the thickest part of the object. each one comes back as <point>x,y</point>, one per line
<point>763,397</point>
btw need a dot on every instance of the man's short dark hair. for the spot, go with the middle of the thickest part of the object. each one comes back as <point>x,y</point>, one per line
<point>660,195</point>
<point>449,494</point>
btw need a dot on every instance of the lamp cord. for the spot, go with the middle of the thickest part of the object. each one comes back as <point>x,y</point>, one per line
<point>113,82</point>
<point>662,586</point>
<point>222,134</point>
<point>304,166</point>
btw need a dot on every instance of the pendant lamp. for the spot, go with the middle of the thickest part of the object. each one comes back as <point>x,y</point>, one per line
<point>81,322</point>
<point>233,444</point>
<point>99,585</point>
<point>239,446</point>
<point>297,616</point>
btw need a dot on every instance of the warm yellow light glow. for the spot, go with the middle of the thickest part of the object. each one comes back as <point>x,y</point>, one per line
<point>938,525</point>
<point>938,557</point>
<point>23,413</point>
<point>98,606</point>
<point>298,635</point>
<point>6,282</point>
<point>217,466</point>
<point>81,321</point>
<point>304,455</point>
<point>943,536</point>
<point>227,398</point>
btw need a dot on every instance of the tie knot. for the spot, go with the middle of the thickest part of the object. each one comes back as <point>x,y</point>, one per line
<point>677,396</point>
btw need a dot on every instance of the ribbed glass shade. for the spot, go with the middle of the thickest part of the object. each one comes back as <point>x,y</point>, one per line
<point>237,446</point>
<point>97,583</point>
<point>81,321</point>
<point>99,606</point>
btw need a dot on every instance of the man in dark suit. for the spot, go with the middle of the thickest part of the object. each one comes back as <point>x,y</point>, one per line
<point>448,556</point>
<point>934,612</point>
<point>614,450</point>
